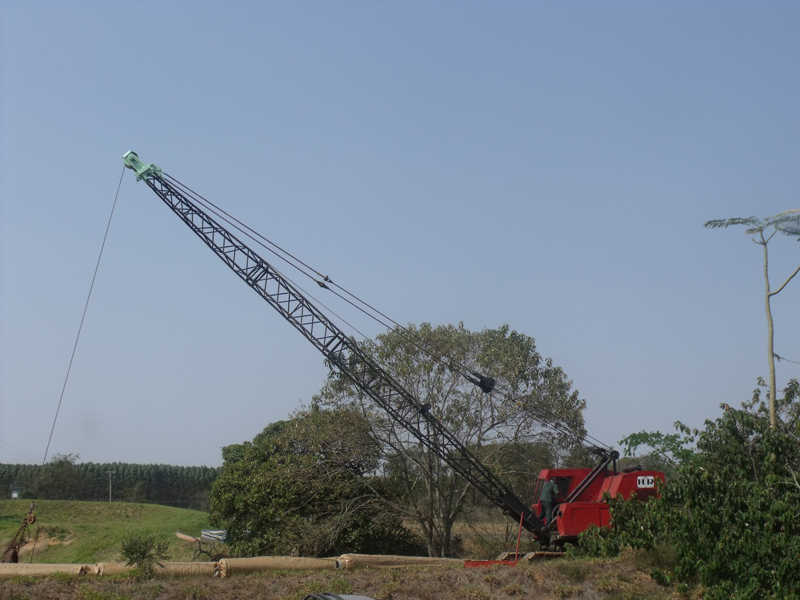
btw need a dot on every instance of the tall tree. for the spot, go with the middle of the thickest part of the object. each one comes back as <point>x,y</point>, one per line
<point>61,479</point>
<point>761,232</point>
<point>494,426</point>
<point>731,514</point>
<point>302,486</point>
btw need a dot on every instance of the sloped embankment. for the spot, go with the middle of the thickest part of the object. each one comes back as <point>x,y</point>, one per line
<point>92,532</point>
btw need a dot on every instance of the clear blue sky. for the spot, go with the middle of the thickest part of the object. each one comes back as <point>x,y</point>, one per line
<point>548,165</point>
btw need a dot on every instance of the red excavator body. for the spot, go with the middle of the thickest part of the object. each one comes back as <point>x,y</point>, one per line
<point>576,515</point>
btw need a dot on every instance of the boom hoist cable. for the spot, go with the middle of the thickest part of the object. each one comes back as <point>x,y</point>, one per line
<point>341,350</point>
<point>484,383</point>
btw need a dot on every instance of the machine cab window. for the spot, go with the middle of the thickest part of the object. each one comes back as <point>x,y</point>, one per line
<point>563,484</point>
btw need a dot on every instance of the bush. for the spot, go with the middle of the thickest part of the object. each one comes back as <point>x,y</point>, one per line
<point>144,552</point>
<point>731,514</point>
<point>306,487</point>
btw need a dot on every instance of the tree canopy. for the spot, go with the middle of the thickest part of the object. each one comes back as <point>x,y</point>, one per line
<point>501,428</point>
<point>731,513</point>
<point>304,487</point>
<point>761,232</point>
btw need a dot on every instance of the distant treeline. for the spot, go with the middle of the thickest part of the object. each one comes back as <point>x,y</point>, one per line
<point>65,479</point>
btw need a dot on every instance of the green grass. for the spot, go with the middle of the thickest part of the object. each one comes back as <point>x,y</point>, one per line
<point>91,532</point>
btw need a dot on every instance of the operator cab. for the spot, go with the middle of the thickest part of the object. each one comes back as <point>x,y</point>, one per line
<point>566,480</point>
<point>564,483</point>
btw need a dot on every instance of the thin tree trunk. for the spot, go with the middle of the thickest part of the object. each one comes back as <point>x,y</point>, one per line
<point>773,419</point>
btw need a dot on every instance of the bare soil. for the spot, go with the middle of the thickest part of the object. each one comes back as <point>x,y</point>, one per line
<point>557,579</point>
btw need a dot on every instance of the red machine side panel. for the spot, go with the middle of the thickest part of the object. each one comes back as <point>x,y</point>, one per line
<point>641,482</point>
<point>577,516</point>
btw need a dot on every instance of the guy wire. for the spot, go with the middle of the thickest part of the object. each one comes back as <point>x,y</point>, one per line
<point>86,306</point>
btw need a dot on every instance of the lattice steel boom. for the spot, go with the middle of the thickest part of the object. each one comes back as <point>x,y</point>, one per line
<point>340,350</point>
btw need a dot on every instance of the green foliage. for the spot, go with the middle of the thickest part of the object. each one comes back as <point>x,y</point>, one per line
<point>306,486</point>
<point>596,541</point>
<point>518,463</point>
<point>578,457</point>
<point>567,591</point>
<point>92,532</point>
<point>144,552</point>
<point>660,577</point>
<point>787,223</point>
<point>64,478</point>
<point>339,585</point>
<point>660,557</point>
<point>762,231</point>
<point>732,514</point>
<point>504,430</point>
<point>60,479</point>
<point>669,450</point>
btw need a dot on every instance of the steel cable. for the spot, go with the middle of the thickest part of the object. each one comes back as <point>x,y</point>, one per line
<point>435,354</point>
<point>80,327</point>
<point>78,337</point>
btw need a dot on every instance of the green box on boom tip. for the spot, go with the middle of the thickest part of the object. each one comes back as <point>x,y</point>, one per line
<point>143,171</point>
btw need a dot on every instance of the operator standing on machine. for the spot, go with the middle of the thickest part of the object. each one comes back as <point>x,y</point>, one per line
<point>548,497</point>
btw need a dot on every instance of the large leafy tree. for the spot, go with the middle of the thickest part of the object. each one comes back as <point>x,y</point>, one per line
<point>305,486</point>
<point>761,232</point>
<point>501,428</point>
<point>61,479</point>
<point>731,515</point>
<point>667,451</point>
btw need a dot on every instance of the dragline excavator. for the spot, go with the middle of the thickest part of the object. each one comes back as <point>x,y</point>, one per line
<point>579,491</point>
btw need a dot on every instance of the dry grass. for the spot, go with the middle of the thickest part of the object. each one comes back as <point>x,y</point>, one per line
<point>587,580</point>
<point>486,533</point>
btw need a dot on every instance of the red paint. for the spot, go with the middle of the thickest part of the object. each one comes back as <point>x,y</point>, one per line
<point>589,509</point>
<point>489,563</point>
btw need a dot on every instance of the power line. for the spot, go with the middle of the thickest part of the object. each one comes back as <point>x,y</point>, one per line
<point>782,359</point>
<point>20,451</point>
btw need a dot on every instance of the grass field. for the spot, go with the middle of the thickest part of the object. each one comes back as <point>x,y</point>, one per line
<point>91,532</point>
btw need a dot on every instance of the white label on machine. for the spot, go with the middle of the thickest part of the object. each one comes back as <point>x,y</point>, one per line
<point>646,482</point>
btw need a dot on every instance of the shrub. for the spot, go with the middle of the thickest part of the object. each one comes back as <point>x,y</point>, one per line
<point>660,577</point>
<point>144,552</point>
<point>567,591</point>
<point>731,514</point>
<point>514,589</point>
<point>305,486</point>
<point>193,592</point>
<point>474,592</point>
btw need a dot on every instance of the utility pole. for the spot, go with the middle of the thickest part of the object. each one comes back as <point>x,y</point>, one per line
<point>110,477</point>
